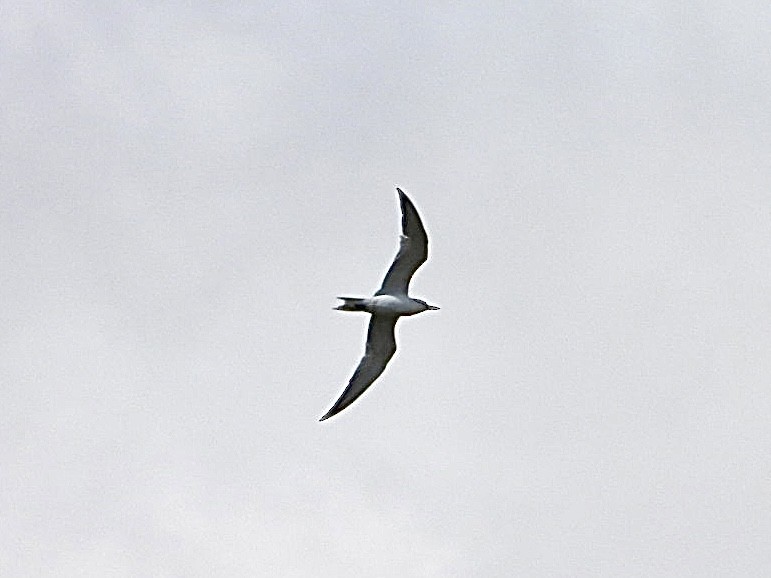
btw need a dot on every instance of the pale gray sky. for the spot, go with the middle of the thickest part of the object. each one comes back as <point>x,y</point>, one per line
<point>185,188</point>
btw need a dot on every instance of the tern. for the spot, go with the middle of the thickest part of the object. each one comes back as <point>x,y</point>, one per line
<point>386,306</point>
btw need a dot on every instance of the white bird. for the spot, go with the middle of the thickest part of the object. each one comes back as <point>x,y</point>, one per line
<point>386,306</point>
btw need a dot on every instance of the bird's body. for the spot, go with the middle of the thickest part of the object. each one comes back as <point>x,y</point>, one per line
<point>398,305</point>
<point>386,306</point>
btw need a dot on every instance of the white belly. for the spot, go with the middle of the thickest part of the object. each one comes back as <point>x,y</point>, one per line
<point>392,305</point>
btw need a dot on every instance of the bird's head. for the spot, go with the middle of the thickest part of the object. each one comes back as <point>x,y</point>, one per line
<point>426,305</point>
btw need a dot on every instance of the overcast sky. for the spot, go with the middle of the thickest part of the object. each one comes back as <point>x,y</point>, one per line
<point>184,189</point>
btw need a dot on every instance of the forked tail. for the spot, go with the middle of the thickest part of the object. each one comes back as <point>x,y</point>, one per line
<point>352,304</point>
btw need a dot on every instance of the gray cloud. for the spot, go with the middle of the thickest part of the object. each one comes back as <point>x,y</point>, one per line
<point>186,188</point>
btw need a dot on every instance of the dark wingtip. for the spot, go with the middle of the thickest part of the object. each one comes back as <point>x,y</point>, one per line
<point>404,200</point>
<point>334,410</point>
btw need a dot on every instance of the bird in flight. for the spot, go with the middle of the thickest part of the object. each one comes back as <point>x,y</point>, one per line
<point>386,306</point>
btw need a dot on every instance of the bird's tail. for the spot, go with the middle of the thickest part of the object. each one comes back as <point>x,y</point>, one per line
<point>352,304</point>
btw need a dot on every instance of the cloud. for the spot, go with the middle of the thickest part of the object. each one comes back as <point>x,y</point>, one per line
<point>185,190</point>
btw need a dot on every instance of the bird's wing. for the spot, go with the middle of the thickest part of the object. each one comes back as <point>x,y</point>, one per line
<point>413,250</point>
<point>381,346</point>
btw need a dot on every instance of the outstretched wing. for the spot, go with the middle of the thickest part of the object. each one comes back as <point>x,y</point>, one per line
<point>413,250</point>
<point>381,346</point>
